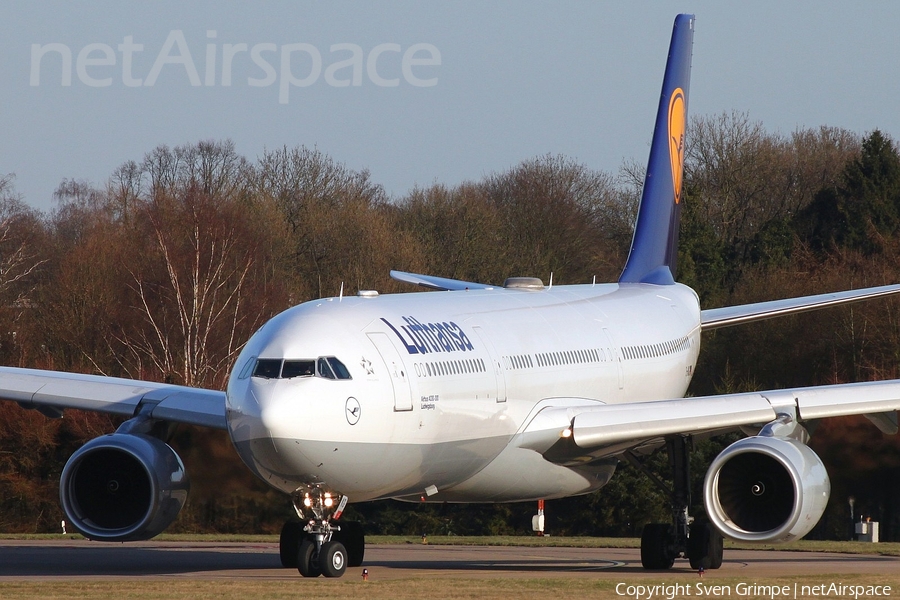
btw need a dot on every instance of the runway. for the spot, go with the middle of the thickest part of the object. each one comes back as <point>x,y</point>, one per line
<point>68,559</point>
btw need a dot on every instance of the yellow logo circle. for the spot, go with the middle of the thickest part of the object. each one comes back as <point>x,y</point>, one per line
<point>676,139</point>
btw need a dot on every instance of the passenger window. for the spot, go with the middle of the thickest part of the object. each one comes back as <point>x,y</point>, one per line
<point>298,368</point>
<point>339,369</point>
<point>267,368</point>
<point>324,369</point>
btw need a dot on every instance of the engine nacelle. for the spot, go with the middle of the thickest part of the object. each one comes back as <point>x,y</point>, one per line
<point>123,487</point>
<point>766,489</point>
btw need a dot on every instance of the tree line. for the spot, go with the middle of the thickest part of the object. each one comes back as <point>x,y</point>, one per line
<point>163,272</point>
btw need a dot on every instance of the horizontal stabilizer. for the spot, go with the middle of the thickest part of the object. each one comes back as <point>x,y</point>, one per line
<point>438,283</point>
<point>748,313</point>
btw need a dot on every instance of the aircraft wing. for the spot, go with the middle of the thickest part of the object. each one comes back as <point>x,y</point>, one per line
<point>602,430</point>
<point>746,313</point>
<point>438,283</point>
<point>51,392</point>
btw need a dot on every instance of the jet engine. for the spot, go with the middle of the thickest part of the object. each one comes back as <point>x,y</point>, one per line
<point>766,489</point>
<point>123,487</point>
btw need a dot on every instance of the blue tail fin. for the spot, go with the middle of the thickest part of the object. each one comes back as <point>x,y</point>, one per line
<point>654,249</point>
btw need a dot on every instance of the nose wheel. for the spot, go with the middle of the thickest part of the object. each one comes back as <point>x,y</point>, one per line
<point>308,559</point>
<point>332,559</point>
<point>319,544</point>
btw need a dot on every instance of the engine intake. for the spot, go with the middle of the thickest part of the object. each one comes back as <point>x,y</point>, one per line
<point>123,487</point>
<point>766,489</point>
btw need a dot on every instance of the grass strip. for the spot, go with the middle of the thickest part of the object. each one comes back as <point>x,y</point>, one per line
<point>843,547</point>
<point>602,586</point>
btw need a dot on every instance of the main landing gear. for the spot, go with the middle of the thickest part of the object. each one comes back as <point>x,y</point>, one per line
<point>318,546</point>
<point>696,540</point>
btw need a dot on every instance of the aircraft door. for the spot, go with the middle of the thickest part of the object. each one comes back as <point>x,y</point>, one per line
<point>397,374</point>
<point>497,367</point>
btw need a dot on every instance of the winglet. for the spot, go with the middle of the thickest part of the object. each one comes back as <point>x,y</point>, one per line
<point>654,249</point>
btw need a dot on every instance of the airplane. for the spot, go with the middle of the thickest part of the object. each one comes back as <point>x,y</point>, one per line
<point>479,393</point>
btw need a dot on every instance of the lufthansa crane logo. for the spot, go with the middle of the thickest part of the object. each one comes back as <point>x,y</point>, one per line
<point>353,410</point>
<point>676,139</point>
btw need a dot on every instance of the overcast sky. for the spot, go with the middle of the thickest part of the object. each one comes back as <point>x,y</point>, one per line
<point>444,92</point>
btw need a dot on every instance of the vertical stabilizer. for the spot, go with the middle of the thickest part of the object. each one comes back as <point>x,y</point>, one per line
<point>654,249</point>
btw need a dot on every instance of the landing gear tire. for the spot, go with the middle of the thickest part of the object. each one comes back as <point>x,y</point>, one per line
<point>705,546</point>
<point>717,556</point>
<point>656,546</point>
<point>289,543</point>
<point>333,559</point>
<point>353,538</point>
<point>308,559</point>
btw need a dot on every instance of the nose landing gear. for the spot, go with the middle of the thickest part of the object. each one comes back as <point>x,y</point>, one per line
<point>317,545</point>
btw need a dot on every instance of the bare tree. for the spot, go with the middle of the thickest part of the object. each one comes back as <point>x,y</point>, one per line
<point>334,218</point>
<point>19,258</point>
<point>743,176</point>
<point>193,313</point>
<point>555,214</point>
<point>455,232</point>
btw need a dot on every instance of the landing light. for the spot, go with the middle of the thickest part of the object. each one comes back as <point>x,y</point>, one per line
<point>566,433</point>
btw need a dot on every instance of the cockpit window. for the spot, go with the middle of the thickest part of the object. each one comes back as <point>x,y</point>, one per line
<point>325,369</point>
<point>248,368</point>
<point>339,369</point>
<point>298,368</point>
<point>267,368</point>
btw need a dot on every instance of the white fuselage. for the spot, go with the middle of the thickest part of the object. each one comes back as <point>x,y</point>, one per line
<point>445,389</point>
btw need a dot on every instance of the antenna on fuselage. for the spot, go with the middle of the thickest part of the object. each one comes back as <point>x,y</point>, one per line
<point>550,287</point>
<point>341,295</point>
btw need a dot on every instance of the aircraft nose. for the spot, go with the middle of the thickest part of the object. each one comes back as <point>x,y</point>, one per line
<point>263,396</point>
<point>282,409</point>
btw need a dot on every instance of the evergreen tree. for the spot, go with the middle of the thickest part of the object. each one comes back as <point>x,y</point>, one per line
<point>864,209</point>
